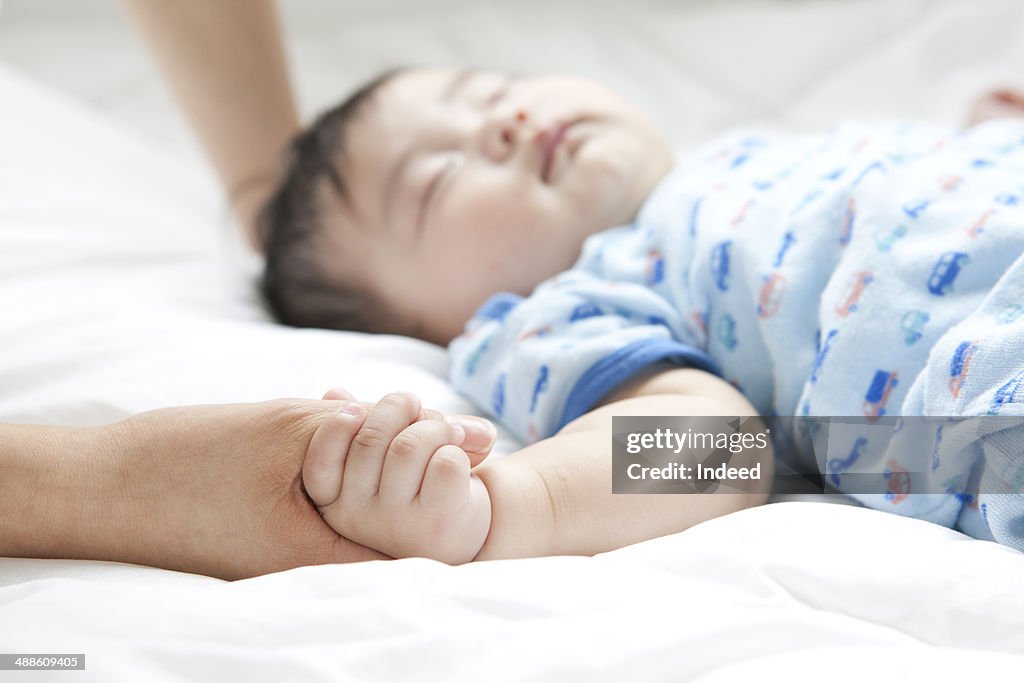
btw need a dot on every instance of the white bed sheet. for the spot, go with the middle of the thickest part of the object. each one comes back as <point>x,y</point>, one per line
<point>790,591</point>
<point>123,290</point>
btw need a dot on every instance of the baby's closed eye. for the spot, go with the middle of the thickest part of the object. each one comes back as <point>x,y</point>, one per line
<point>449,163</point>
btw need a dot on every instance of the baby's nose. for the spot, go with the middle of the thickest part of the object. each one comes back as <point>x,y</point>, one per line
<point>502,133</point>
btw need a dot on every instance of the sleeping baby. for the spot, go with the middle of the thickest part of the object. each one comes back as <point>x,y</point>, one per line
<point>869,270</point>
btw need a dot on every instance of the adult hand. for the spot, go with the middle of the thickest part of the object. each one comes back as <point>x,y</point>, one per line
<point>218,490</point>
<point>212,489</point>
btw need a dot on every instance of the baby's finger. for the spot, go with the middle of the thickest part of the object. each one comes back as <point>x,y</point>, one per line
<point>338,394</point>
<point>408,455</point>
<point>480,436</point>
<point>325,460</point>
<point>365,461</point>
<point>446,481</point>
<point>428,414</point>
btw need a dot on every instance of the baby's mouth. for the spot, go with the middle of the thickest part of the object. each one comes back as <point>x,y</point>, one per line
<point>550,140</point>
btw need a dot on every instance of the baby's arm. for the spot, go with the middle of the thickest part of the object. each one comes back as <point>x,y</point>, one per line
<point>384,477</point>
<point>555,497</point>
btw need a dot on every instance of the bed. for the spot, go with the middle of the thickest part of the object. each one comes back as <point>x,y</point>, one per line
<point>117,262</point>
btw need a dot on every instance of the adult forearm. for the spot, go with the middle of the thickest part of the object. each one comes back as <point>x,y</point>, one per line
<point>57,490</point>
<point>225,63</point>
<point>212,490</point>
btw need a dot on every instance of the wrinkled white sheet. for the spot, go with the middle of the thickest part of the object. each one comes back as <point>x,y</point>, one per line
<point>790,591</point>
<point>121,291</point>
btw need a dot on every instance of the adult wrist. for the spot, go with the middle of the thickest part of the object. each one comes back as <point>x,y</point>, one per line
<point>57,491</point>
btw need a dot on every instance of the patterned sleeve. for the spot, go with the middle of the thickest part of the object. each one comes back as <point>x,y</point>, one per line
<point>538,363</point>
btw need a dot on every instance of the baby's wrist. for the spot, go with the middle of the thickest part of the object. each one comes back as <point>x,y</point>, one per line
<point>520,521</point>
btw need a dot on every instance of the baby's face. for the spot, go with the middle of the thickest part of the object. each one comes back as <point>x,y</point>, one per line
<point>466,183</point>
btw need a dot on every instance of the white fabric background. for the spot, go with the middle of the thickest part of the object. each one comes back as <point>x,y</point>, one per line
<point>698,66</point>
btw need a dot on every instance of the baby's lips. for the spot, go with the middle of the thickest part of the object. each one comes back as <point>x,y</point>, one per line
<point>480,433</point>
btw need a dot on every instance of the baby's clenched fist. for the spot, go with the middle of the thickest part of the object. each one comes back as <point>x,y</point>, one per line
<point>398,479</point>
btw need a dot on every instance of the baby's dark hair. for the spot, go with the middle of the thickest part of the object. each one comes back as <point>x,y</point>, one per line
<point>296,283</point>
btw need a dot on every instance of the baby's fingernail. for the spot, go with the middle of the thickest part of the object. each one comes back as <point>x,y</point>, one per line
<point>353,409</point>
<point>480,433</point>
<point>457,434</point>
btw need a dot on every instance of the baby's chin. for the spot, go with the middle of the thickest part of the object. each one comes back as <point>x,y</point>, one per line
<point>621,208</point>
<point>618,190</point>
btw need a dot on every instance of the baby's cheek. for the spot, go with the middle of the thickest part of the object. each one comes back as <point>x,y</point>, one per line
<point>512,237</point>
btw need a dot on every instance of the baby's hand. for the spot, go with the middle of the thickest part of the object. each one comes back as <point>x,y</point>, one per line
<point>397,479</point>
